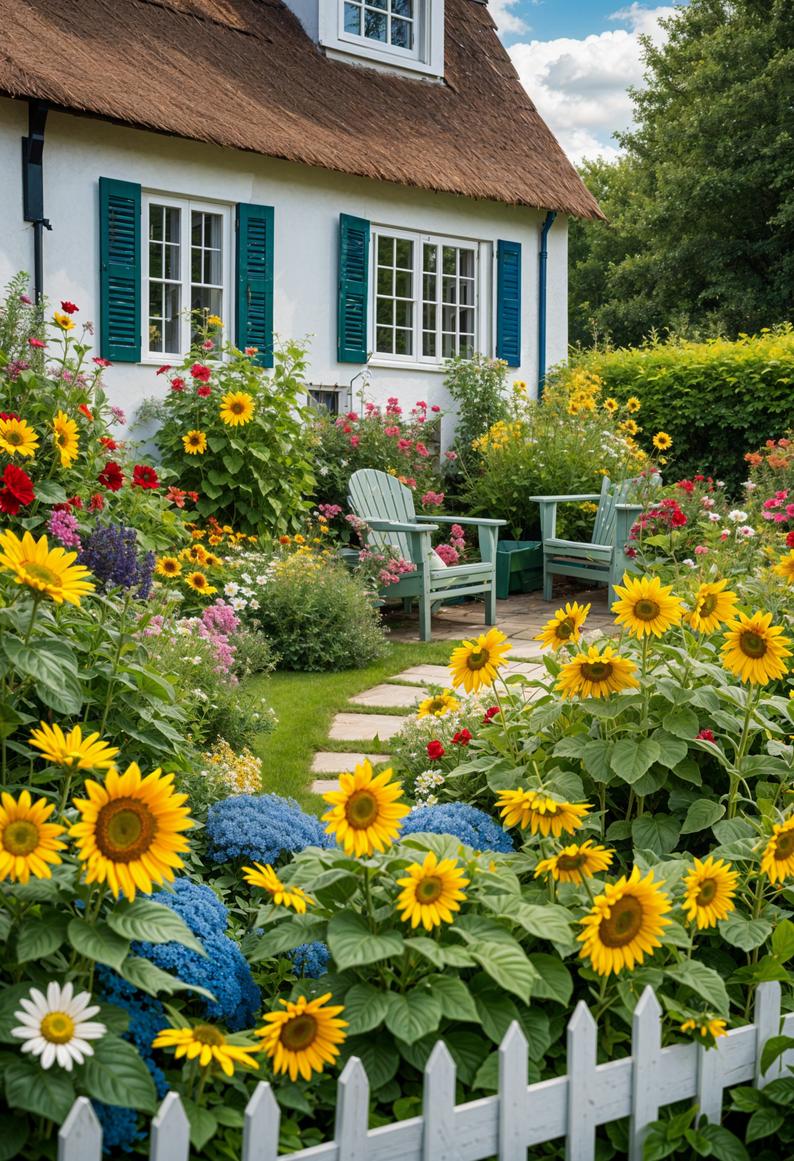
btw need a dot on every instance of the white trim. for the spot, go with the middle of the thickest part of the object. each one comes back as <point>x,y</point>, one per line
<point>426,57</point>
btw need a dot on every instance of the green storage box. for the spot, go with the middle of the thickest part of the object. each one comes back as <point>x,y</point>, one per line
<point>519,567</point>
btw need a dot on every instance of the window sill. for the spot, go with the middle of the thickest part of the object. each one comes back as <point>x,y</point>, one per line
<point>408,365</point>
<point>385,61</point>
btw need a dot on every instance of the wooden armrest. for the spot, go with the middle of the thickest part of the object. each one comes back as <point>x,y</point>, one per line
<point>464,520</point>
<point>563,499</point>
<point>396,526</point>
<point>628,507</point>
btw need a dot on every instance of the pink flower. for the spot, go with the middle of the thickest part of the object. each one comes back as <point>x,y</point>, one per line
<point>100,362</point>
<point>700,550</point>
<point>432,499</point>
<point>456,532</point>
<point>207,345</point>
<point>392,430</point>
<point>28,301</point>
<point>352,416</point>
<point>354,441</point>
<point>790,511</point>
<point>421,403</point>
<point>705,735</point>
<point>329,510</point>
<point>404,445</point>
<point>451,456</point>
<point>37,343</point>
<point>447,554</point>
<point>422,451</point>
<point>435,408</point>
<point>199,371</point>
<point>724,535</point>
<point>165,367</point>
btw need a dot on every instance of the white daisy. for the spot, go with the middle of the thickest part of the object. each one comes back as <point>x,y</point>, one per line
<point>746,531</point>
<point>231,589</point>
<point>58,1026</point>
<point>737,516</point>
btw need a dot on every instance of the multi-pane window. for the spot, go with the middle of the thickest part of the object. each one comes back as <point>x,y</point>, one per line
<point>425,297</point>
<point>186,272</point>
<point>391,22</point>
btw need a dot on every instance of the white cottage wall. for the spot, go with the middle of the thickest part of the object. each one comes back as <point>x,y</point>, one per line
<point>308,202</point>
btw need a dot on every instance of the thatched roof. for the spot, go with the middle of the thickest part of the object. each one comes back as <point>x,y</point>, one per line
<point>243,74</point>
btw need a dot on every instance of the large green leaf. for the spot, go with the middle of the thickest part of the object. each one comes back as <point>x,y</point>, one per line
<point>468,1049</point>
<point>747,934</point>
<point>703,980</point>
<point>554,981</point>
<point>96,941</point>
<point>507,965</point>
<point>152,922</point>
<point>286,935</point>
<point>682,722</point>
<point>365,1008</point>
<point>10,995</point>
<point>672,750</point>
<point>48,1092</point>
<point>548,921</point>
<point>153,980</point>
<point>655,832</point>
<point>494,1007</point>
<point>378,1056</point>
<point>702,814</point>
<point>117,1075</point>
<point>13,1135</point>
<point>596,757</point>
<point>40,935</point>
<point>454,997</point>
<point>352,944</point>
<point>630,759</point>
<point>411,1016</point>
<point>783,940</point>
<point>440,955</point>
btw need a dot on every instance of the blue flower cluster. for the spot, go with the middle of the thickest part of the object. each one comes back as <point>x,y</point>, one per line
<point>310,960</point>
<point>111,553</point>
<point>261,828</point>
<point>472,826</point>
<point>223,971</point>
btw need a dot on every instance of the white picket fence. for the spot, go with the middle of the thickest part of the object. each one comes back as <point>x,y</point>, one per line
<point>502,1126</point>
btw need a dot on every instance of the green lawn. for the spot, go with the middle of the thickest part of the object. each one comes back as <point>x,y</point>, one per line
<point>305,704</point>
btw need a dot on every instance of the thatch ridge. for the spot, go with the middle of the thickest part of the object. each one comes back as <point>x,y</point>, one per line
<point>244,75</point>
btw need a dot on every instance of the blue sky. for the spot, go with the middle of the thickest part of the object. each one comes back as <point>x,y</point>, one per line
<point>576,59</point>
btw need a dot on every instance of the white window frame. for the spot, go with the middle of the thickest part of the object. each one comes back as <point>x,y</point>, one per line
<point>427,55</point>
<point>482,300</point>
<point>186,205</point>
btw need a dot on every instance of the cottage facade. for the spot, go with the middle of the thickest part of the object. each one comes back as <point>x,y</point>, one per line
<point>369,175</point>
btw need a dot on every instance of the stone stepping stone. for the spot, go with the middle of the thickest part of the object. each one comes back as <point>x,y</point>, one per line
<point>393,696</point>
<point>364,727</point>
<point>328,762</point>
<point>324,785</point>
<point>426,675</point>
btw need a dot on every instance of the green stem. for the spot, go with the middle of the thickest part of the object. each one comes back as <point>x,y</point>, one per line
<point>32,619</point>
<point>752,700</point>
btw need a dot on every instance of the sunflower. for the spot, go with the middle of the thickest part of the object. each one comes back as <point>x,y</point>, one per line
<point>596,674</point>
<point>17,437</point>
<point>211,560</point>
<point>624,924</point>
<point>710,888</point>
<point>237,408</point>
<point>575,863</point>
<point>199,583</point>
<point>195,443</point>
<point>662,441</point>
<point>438,705</point>
<point>646,606</point>
<point>712,607</point>
<point>48,572</point>
<point>27,841</point>
<point>67,438</point>
<point>282,895</point>
<point>304,1037</point>
<point>475,663</point>
<point>707,1029</point>
<point>629,427</point>
<point>785,567</point>
<point>541,813</point>
<point>168,566</point>
<point>610,405</point>
<point>63,321</point>
<point>72,750</point>
<point>778,858</point>
<point>432,890</point>
<point>564,627</point>
<point>364,813</point>
<point>196,552</point>
<point>207,1045</point>
<point>129,831</point>
<point>754,648</point>
<point>633,405</point>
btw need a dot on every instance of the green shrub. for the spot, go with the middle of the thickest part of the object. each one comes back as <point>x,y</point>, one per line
<point>479,387</point>
<point>715,398</point>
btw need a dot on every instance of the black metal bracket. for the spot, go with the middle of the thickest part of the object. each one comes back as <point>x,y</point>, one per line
<point>33,165</point>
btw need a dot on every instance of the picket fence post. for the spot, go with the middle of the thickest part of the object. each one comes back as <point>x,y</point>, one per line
<point>438,1106</point>
<point>261,1125</point>
<point>582,1045</point>
<point>513,1071</point>
<point>80,1135</point>
<point>170,1131</point>
<point>766,1017</point>
<point>352,1111</point>
<point>646,1044</point>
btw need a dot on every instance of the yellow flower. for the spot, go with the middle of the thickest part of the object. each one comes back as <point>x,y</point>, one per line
<point>211,560</point>
<point>712,607</point>
<point>48,572</point>
<point>199,583</point>
<point>633,405</point>
<point>64,321</point>
<point>610,405</point>
<point>299,539</point>
<point>28,843</point>
<point>282,895</point>
<point>564,627</point>
<point>778,858</point>
<point>17,437</point>
<point>629,427</point>
<point>662,441</point>
<point>785,567</point>
<point>304,1037</point>
<point>168,566</point>
<point>207,1045</point>
<point>575,863</point>
<point>646,606</point>
<point>754,648</point>
<point>196,552</point>
<point>438,705</point>
<point>596,674</point>
<point>711,1029</point>
<point>475,663</point>
<point>237,408</point>
<point>67,438</point>
<point>710,888</point>
<point>72,750</point>
<point>195,443</point>
<point>541,813</point>
<point>214,320</point>
<point>624,924</point>
<point>364,814</point>
<point>432,890</point>
<point>129,833</point>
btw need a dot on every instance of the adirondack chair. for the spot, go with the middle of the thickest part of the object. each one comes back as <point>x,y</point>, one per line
<point>388,508</point>
<point>604,559</point>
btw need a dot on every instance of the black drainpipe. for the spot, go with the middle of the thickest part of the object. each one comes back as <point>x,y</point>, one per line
<point>33,188</point>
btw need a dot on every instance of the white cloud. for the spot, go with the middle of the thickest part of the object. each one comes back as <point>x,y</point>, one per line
<point>579,86</point>
<point>505,19</point>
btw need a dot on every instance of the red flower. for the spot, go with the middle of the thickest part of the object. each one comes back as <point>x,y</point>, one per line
<point>108,442</point>
<point>204,391</point>
<point>96,503</point>
<point>193,496</point>
<point>165,367</point>
<point>8,415</point>
<point>144,477</point>
<point>75,502</point>
<point>678,520</point>
<point>177,383</point>
<point>17,490</point>
<point>462,738</point>
<point>178,497</point>
<point>111,476</point>
<point>435,407</point>
<point>435,750</point>
<point>69,307</point>
<point>251,351</point>
<point>790,540</point>
<point>100,362</point>
<point>706,735</point>
<point>37,343</point>
<point>85,410</point>
<point>490,713</point>
<point>207,345</point>
<point>199,371</point>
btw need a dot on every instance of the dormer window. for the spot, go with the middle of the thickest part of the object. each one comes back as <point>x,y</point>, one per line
<point>398,35</point>
<point>388,22</point>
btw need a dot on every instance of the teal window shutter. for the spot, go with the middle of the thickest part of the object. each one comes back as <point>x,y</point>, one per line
<point>119,270</point>
<point>508,302</point>
<point>353,289</point>
<point>254,313</point>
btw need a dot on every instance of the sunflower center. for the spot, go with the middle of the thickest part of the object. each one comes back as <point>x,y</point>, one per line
<point>708,889</point>
<point>596,670</point>
<point>437,704</point>
<point>299,1032</point>
<point>565,629</point>
<point>206,1034</point>
<point>41,573</point>
<point>478,659</point>
<point>125,828</point>
<point>707,605</point>
<point>571,862</point>
<point>15,438</point>
<point>169,566</point>
<point>237,407</point>
<point>361,809</point>
<point>784,846</point>
<point>20,837</point>
<point>429,889</point>
<point>57,1027</point>
<point>624,923</point>
<point>646,609</point>
<point>752,644</point>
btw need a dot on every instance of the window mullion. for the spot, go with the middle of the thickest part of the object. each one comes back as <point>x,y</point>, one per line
<point>185,235</point>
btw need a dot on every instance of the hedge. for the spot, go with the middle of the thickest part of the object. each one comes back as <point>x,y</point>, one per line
<point>717,399</point>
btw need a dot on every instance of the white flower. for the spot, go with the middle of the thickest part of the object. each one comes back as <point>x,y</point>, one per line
<point>200,695</point>
<point>262,579</point>
<point>237,604</point>
<point>231,589</point>
<point>746,531</point>
<point>749,485</point>
<point>689,562</point>
<point>707,502</point>
<point>58,1026</point>
<point>737,516</point>
<point>714,517</point>
<point>246,576</point>
<point>197,660</point>
<point>253,604</point>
